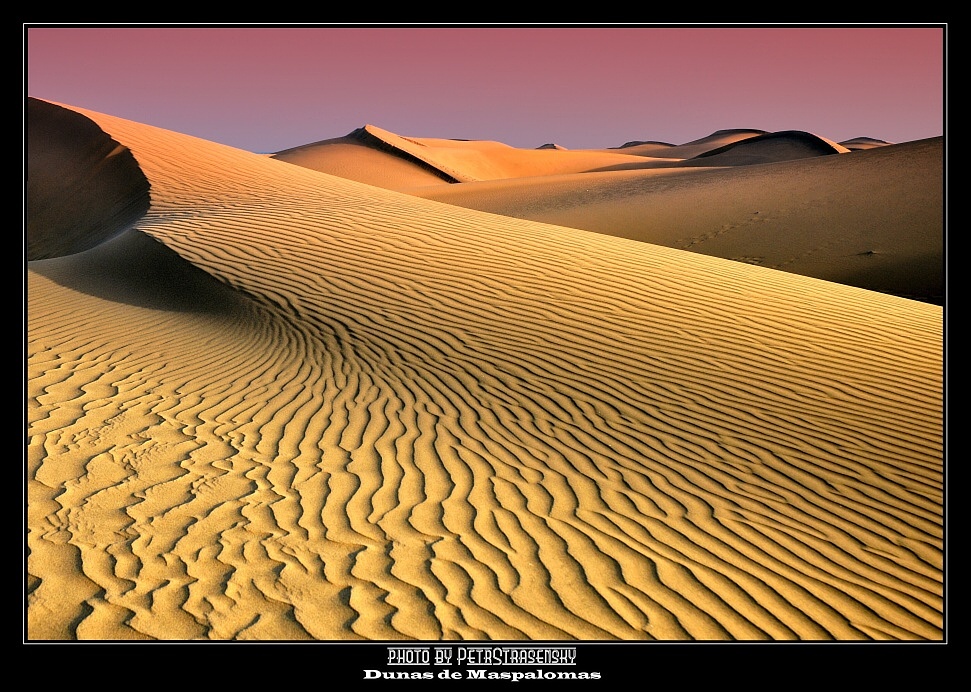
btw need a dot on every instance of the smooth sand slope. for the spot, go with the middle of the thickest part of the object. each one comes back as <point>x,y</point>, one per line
<point>288,405</point>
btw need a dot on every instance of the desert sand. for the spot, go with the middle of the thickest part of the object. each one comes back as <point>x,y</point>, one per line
<point>383,388</point>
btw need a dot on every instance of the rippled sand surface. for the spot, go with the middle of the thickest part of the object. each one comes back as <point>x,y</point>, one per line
<point>276,404</point>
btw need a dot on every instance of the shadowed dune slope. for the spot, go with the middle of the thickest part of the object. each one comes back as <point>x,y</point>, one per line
<point>387,418</point>
<point>83,186</point>
<point>871,219</point>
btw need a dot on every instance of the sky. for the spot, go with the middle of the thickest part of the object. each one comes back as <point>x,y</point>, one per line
<point>266,88</point>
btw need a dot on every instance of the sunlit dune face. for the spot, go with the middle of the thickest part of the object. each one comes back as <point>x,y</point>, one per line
<point>83,187</point>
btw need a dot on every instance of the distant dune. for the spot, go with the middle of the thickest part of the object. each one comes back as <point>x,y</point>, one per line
<point>770,148</point>
<point>690,149</point>
<point>466,161</point>
<point>273,403</point>
<point>858,143</point>
<point>367,159</point>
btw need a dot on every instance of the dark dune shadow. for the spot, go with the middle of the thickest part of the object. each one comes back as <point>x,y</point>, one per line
<point>916,276</point>
<point>136,269</point>
<point>83,187</point>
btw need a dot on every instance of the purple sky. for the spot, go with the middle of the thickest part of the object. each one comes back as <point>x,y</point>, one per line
<point>266,88</point>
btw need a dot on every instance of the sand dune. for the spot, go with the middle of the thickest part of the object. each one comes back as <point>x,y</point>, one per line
<point>870,219</point>
<point>771,147</point>
<point>690,149</point>
<point>77,202</point>
<point>858,143</point>
<point>288,405</point>
<point>366,158</point>
<point>460,161</point>
<point>358,157</point>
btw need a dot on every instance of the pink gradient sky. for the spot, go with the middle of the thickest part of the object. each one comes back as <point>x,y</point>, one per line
<point>266,88</point>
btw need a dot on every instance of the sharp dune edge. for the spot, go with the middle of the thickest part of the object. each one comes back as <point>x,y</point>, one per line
<point>286,405</point>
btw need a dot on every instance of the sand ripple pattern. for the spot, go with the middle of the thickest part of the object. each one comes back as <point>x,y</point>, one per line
<point>425,422</point>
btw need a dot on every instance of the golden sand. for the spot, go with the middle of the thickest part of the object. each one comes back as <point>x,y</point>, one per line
<point>285,404</point>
